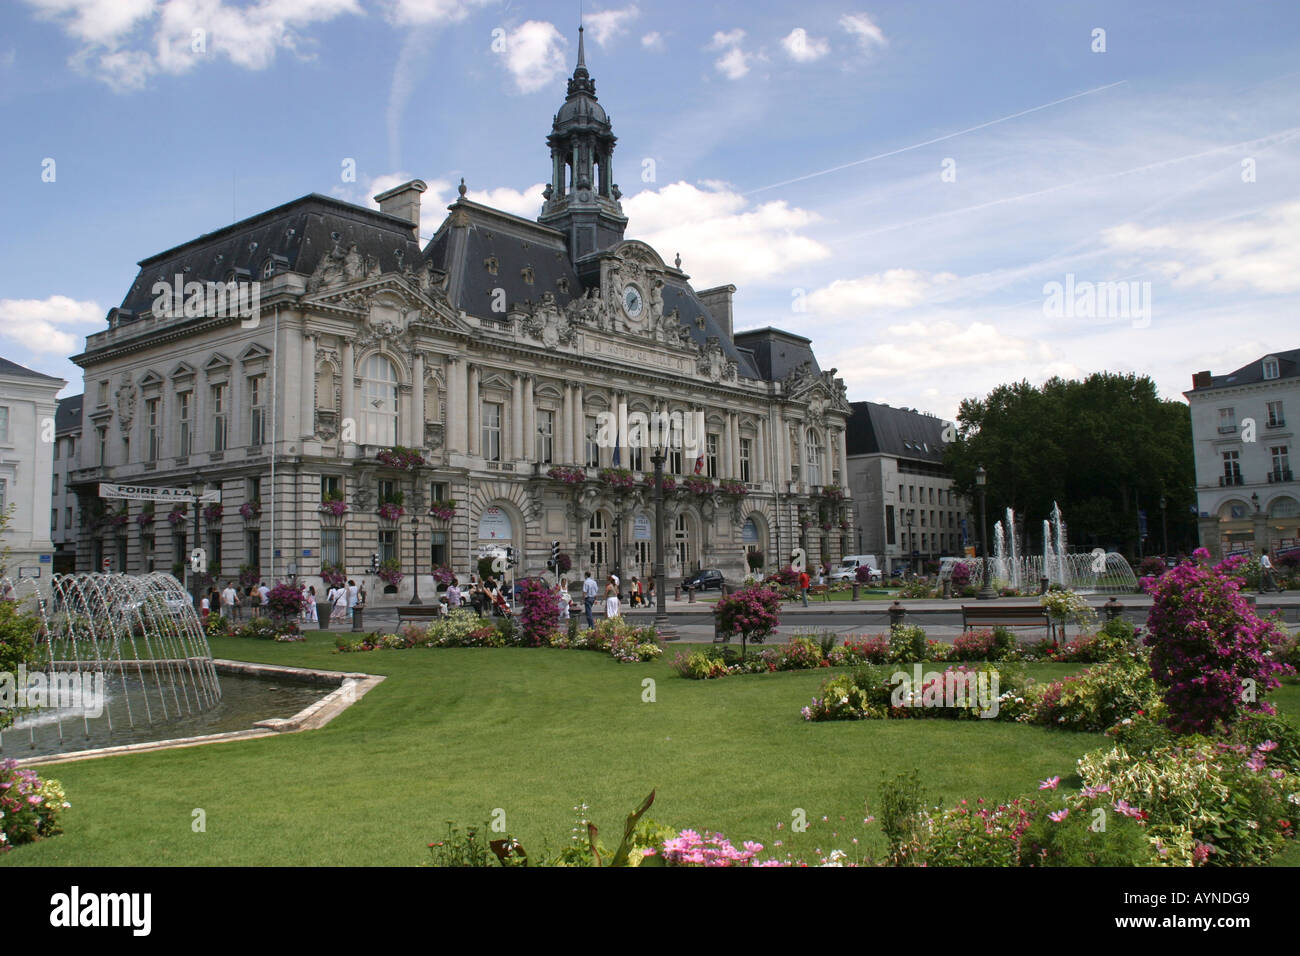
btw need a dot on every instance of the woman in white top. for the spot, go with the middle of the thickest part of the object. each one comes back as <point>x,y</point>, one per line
<point>611,598</point>
<point>562,596</point>
<point>339,598</point>
<point>309,604</point>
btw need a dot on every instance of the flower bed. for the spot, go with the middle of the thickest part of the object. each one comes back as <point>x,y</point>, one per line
<point>30,807</point>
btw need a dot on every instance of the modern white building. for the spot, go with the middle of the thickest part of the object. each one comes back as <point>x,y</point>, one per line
<point>907,511</point>
<point>27,408</point>
<point>1243,430</point>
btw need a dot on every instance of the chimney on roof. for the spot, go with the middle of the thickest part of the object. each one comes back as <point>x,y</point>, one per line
<point>404,202</point>
<point>718,301</point>
<point>1201,380</point>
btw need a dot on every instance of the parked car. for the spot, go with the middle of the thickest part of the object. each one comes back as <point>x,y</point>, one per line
<point>704,580</point>
<point>848,568</point>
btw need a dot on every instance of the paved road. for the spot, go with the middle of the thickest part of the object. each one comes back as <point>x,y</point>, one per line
<point>941,619</point>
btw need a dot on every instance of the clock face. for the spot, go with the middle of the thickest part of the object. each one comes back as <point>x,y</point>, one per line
<point>632,301</point>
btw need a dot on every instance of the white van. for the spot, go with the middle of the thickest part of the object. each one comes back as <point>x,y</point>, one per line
<point>848,567</point>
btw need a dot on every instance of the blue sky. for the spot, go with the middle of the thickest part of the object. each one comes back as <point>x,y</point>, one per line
<point>901,182</point>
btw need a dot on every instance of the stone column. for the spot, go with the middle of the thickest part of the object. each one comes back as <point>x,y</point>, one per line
<point>565,428</point>
<point>516,419</point>
<point>417,401</point>
<point>307,390</point>
<point>735,446</point>
<point>348,390</point>
<point>475,412</point>
<point>842,444</point>
<point>530,421</point>
<point>579,426</point>
<point>757,470</point>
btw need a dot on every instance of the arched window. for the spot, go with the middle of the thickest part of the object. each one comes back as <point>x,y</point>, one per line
<point>378,402</point>
<point>813,457</point>
<point>598,536</point>
<point>682,543</point>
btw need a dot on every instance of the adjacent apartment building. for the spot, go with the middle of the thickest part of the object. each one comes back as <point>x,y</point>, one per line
<point>907,511</point>
<point>65,515</point>
<point>1243,431</point>
<point>27,408</point>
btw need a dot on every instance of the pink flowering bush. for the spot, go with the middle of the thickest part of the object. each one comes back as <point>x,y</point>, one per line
<point>570,476</point>
<point>401,458</point>
<point>735,488</point>
<point>443,510</point>
<point>285,600</point>
<point>1211,654</point>
<point>689,848</point>
<point>539,614</point>
<point>752,612</point>
<point>617,479</point>
<point>698,485</point>
<point>29,806</point>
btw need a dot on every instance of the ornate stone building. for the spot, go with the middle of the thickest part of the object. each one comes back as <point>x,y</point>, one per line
<point>494,351</point>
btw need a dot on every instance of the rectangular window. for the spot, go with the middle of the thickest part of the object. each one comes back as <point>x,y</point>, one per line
<point>54,483</point>
<point>387,491</point>
<point>253,489</point>
<point>1275,417</point>
<point>636,458</point>
<point>54,519</point>
<point>889,524</point>
<point>253,548</point>
<point>438,548</point>
<point>67,517</point>
<point>183,406</point>
<point>257,410</point>
<point>1281,463</point>
<point>1270,368</point>
<point>103,393</point>
<point>331,488</point>
<point>331,546</point>
<point>1227,420</point>
<point>57,446</point>
<point>675,462</point>
<point>492,431</point>
<point>214,549</point>
<point>153,416</point>
<point>711,456</point>
<point>103,446</point>
<point>545,436</point>
<point>1231,468</point>
<point>438,491</point>
<point>746,453</point>
<point>387,546</point>
<point>592,453</point>
<point>219,417</point>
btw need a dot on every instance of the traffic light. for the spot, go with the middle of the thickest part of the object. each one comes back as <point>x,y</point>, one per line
<point>374,562</point>
<point>512,557</point>
<point>554,563</point>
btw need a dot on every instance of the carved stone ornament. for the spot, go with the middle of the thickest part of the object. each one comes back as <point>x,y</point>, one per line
<point>127,395</point>
<point>713,363</point>
<point>327,424</point>
<point>546,323</point>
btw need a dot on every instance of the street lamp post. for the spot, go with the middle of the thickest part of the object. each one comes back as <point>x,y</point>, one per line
<point>197,487</point>
<point>662,625</point>
<point>986,592</point>
<point>1164,526</point>
<point>415,559</point>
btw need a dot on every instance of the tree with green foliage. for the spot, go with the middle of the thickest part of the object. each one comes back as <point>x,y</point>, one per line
<point>1102,447</point>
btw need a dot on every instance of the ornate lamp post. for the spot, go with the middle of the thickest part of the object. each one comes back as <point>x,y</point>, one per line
<point>415,559</point>
<point>197,488</point>
<point>662,624</point>
<point>986,592</point>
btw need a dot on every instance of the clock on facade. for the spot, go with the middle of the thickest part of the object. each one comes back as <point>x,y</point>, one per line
<point>632,301</point>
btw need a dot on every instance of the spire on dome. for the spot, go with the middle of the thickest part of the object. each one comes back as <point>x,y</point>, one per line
<point>582,59</point>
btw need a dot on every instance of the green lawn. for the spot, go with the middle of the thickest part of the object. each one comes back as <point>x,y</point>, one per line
<point>454,734</point>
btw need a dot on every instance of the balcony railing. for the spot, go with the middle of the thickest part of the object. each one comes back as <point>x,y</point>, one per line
<point>1279,475</point>
<point>1227,429</point>
<point>1227,480</point>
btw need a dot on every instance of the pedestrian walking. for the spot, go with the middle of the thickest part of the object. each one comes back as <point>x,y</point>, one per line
<point>589,592</point>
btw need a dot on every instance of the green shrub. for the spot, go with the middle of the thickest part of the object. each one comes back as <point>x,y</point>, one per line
<point>30,807</point>
<point>1098,698</point>
<point>901,815</point>
<point>907,644</point>
<point>17,648</point>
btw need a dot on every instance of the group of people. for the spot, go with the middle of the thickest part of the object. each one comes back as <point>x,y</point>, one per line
<point>232,601</point>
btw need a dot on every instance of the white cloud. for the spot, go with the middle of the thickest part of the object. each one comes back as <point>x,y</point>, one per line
<point>1258,254</point>
<point>804,49</point>
<point>37,323</point>
<point>608,25</point>
<point>653,41</point>
<point>722,40</point>
<point>720,235</point>
<point>125,42</point>
<point>733,64</point>
<point>914,347</point>
<point>892,289</point>
<point>861,27</point>
<point>534,55</point>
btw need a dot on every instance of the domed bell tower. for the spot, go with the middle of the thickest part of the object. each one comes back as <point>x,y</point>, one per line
<point>582,199</point>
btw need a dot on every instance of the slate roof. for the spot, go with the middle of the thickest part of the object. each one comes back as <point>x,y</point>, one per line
<point>1288,366</point>
<point>297,233</point>
<point>20,371</point>
<point>518,243</point>
<point>67,416</point>
<point>776,353</point>
<point>874,428</point>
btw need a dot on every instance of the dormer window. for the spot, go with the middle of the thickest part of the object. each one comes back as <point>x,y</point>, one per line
<point>1270,368</point>
<point>268,268</point>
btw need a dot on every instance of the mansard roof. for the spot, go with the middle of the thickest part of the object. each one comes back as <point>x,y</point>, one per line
<point>295,235</point>
<point>777,353</point>
<point>875,428</point>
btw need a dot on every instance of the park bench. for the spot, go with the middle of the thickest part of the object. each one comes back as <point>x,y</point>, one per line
<point>988,615</point>
<point>823,590</point>
<point>419,612</point>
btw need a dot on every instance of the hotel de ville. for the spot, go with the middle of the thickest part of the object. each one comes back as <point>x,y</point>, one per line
<point>387,405</point>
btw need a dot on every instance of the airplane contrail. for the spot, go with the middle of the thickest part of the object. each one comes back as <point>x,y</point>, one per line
<point>931,142</point>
